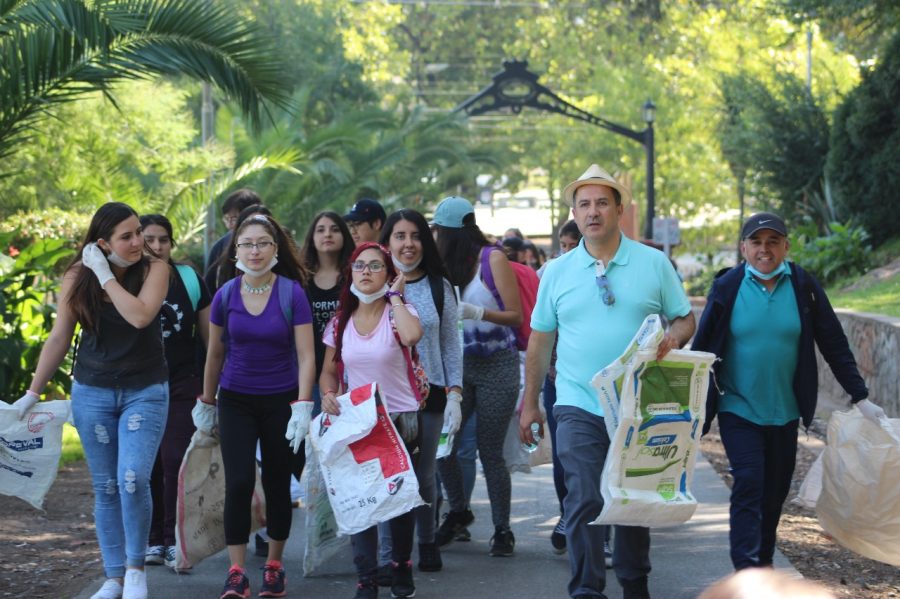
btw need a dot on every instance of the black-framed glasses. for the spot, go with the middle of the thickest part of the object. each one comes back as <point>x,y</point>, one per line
<point>609,298</point>
<point>260,245</point>
<point>374,266</point>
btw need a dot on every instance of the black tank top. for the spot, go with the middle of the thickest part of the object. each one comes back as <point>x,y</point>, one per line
<point>120,355</point>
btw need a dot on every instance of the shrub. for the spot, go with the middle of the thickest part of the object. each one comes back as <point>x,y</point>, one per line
<point>844,253</point>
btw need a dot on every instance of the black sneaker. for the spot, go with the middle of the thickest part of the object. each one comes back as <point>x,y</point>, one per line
<point>366,590</point>
<point>236,585</point>
<point>607,554</point>
<point>453,523</point>
<point>430,558</point>
<point>558,536</point>
<point>261,546</point>
<point>402,585</point>
<point>463,536</point>
<point>503,542</point>
<point>635,589</point>
<point>384,577</point>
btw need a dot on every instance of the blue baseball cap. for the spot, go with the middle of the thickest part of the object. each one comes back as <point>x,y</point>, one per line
<point>366,210</point>
<point>451,212</point>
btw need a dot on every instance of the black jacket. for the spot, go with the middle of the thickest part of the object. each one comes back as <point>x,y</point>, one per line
<point>818,323</point>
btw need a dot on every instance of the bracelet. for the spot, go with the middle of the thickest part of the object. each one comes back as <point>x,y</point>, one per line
<point>390,294</point>
<point>32,393</point>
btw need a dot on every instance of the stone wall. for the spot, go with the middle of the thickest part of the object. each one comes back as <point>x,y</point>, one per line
<point>875,342</point>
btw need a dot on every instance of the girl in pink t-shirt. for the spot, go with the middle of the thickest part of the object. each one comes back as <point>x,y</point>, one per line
<point>362,337</point>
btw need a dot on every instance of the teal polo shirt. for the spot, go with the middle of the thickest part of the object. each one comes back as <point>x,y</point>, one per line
<point>760,355</point>
<point>591,334</point>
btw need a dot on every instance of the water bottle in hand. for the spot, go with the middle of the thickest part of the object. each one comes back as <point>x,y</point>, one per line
<point>536,433</point>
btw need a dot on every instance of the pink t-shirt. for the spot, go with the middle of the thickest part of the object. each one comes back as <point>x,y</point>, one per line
<point>377,357</point>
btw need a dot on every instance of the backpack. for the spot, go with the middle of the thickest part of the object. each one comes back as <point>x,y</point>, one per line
<point>191,283</point>
<point>527,282</point>
<point>285,289</point>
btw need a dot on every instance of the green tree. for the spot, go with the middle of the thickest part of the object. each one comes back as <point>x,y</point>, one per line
<point>55,51</point>
<point>864,163</point>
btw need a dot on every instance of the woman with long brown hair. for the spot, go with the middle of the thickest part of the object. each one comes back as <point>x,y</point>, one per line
<point>120,392</point>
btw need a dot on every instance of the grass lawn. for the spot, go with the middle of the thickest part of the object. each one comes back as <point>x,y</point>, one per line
<point>880,298</point>
<point>71,446</point>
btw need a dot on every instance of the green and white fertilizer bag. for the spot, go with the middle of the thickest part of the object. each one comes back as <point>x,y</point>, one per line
<point>654,413</point>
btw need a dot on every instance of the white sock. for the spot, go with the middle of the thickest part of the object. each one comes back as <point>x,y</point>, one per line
<point>111,589</point>
<point>135,584</point>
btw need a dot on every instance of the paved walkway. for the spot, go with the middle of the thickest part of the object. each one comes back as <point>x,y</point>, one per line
<point>686,559</point>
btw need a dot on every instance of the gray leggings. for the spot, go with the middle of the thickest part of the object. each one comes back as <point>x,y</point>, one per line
<point>490,389</point>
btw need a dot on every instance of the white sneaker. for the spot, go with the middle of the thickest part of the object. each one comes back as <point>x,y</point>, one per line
<point>111,589</point>
<point>135,584</point>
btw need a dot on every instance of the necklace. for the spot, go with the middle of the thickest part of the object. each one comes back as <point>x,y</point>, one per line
<point>257,290</point>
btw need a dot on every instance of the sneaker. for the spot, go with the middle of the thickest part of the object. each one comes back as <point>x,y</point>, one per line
<point>236,585</point>
<point>430,558</point>
<point>453,523</point>
<point>261,546</point>
<point>402,585</point>
<point>558,536</point>
<point>384,577</point>
<point>635,589</point>
<point>607,554</point>
<point>155,555</point>
<point>463,536</point>
<point>170,557</point>
<point>273,580</point>
<point>502,543</point>
<point>135,586</point>
<point>111,589</point>
<point>366,590</point>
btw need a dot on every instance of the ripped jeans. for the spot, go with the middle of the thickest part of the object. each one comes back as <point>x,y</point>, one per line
<point>120,432</point>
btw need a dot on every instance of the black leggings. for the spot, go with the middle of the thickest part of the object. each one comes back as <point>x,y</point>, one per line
<point>243,420</point>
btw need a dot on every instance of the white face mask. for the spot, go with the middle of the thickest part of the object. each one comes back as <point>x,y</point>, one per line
<point>368,298</point>
<point>117,260</point>
<point>257,273</point>
<point>406,268</point>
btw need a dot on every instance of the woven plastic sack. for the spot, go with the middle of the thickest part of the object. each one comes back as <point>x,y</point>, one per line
<point>200,511</point>
<point>811,488</point>
<point>860,501</point>
<point>367,471</point>
<point>30,449</point>
<point>322,539</point>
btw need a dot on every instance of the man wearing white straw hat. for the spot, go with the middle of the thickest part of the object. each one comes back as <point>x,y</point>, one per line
<point>594,298</point>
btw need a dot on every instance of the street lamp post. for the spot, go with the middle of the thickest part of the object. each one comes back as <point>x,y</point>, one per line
<point>516,87</point>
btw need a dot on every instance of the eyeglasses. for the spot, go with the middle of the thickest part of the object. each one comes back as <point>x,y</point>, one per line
<point>229,220</point>
<point>373,266</point>
<point>609,298</point>
<point>259,245</point>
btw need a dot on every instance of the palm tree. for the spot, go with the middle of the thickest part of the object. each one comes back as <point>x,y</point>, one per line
<point>55,51</point>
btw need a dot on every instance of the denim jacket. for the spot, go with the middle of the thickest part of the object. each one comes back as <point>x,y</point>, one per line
<point>818,324</point>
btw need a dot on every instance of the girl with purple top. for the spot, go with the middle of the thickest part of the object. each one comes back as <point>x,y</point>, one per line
<point>366,335</point>
<point>258,384</point>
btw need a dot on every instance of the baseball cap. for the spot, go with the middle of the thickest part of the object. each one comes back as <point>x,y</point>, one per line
<point>451,212</point>
<point>366,210</point>
<point>763,220</point>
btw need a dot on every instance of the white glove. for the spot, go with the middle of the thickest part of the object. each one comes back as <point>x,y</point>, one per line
<point>298,425</point>
<point>204,415</point>
<point>25,403</point>
<point>407,424</point>
<point>469,311</point>
<point>93,258</point>
<point>453,412</point>
<point>870,410</point>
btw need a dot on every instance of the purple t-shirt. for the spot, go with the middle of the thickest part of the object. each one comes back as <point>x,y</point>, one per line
<point>258,358</point>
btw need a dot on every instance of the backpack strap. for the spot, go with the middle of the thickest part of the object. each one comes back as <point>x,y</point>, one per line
<point>437,295</point>
<point>191,283</point>
<point>488,277</point>
<point>286,301</point>
<point>225,292</point>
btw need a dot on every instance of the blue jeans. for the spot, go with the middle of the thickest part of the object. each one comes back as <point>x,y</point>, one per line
<point>583,445</point>
<point>120,432</point>
<point>762,462</point>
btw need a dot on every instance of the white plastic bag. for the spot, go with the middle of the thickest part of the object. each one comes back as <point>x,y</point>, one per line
<point>322,540</point>
<point>30,449</point>
<point>860,501</point>
<point>366,468</point>
<point>200,519</point>
<point>658,410</point>
<point>811,488</point>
